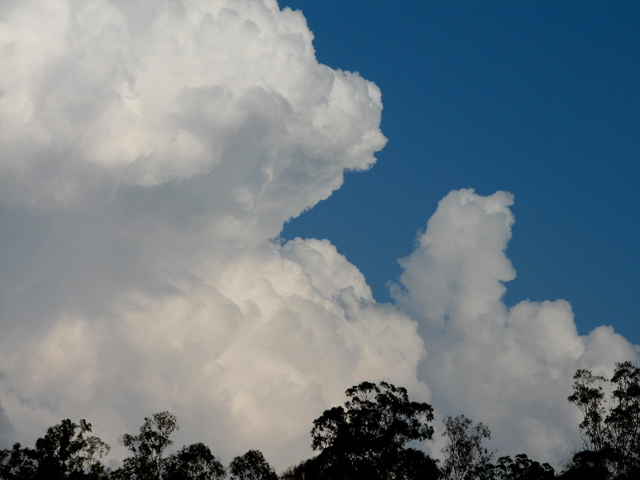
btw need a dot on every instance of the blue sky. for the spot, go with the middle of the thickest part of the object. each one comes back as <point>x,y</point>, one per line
<point>541,99</point>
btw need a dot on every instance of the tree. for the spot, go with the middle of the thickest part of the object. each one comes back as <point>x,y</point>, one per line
<point>295,472</point>
<point>415,464</point>
<point>610,428</point>
<point>588,396</point>
<point>623,421</point>
<point>195,462</point>
<point>251,466</point>
<point>18,463</point>
<point>148,462</point>
<point>522,468</point>
<point>464,455</point>
<point>65,452</point>
<point>366,438</point>
<point>587,465</point>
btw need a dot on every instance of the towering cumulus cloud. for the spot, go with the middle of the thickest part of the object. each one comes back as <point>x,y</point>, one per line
<point>510,368</point>
<point>151,152</point>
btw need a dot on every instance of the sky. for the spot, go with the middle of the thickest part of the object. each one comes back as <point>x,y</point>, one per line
<point>235,211</point>
<point>541,99</point>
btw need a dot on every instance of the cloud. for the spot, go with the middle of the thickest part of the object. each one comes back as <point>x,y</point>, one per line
<point>151,153</point>
<point>6,431</point>
<point>257,350</point>
<point>222,103</point>
<point>143,143</point>
<point>510,368</point>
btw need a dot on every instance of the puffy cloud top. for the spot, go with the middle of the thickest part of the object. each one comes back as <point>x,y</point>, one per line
<point>151,151</point>
<point>222,104</point>
<point>510,368</point>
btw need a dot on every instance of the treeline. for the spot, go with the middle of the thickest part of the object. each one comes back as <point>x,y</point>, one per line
<point>365,439</point>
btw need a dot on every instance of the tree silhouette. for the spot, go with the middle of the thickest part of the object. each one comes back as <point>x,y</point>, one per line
<point>195,462</point>
<point>251,466</point>
<point>366,438</point>
<point>610,428</point>
<point>65,452</point>
<point>464,455</point>
<point>18,463</point>
<point>148,448</point>
<point>522,468</point>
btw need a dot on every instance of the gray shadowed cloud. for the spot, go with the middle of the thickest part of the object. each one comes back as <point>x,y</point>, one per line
<point>6,430</point>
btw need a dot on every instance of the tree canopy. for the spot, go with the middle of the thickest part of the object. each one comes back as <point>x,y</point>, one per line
<point>464,455</point>
<point>610,428</point>
<point>366,437</point>
<point>65,451</point>
<point>374,435</point>
<point>251,466</point>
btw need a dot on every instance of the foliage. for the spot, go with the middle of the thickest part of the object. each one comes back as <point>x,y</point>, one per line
<point>522,468</point>
<point>195,462</point>
<point>411,464</point>
<point>415,464</point>
<point>66,451</point>
<point>18,463</point>
<point>623,421</point>
<point>588,395</point>
<point>366,437</point>
<point>301,471</point>
<point>585,465</point>
<point>610,428</point>
<point>251,466</point>
<point>148,462</point>
<point>464,455</point>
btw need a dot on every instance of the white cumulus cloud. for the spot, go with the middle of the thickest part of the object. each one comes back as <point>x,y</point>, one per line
<point>510,368</point>
<point>151,153</point>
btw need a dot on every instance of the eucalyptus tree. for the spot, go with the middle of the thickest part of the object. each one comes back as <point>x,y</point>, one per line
<point>148,459</point>
<point>66,451</point>
<point>610,427</point>
<point>367,437</point>
<point>521,468</point>
<point>194,462</point>
<point>465,457</point>
<point>251,466</point>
